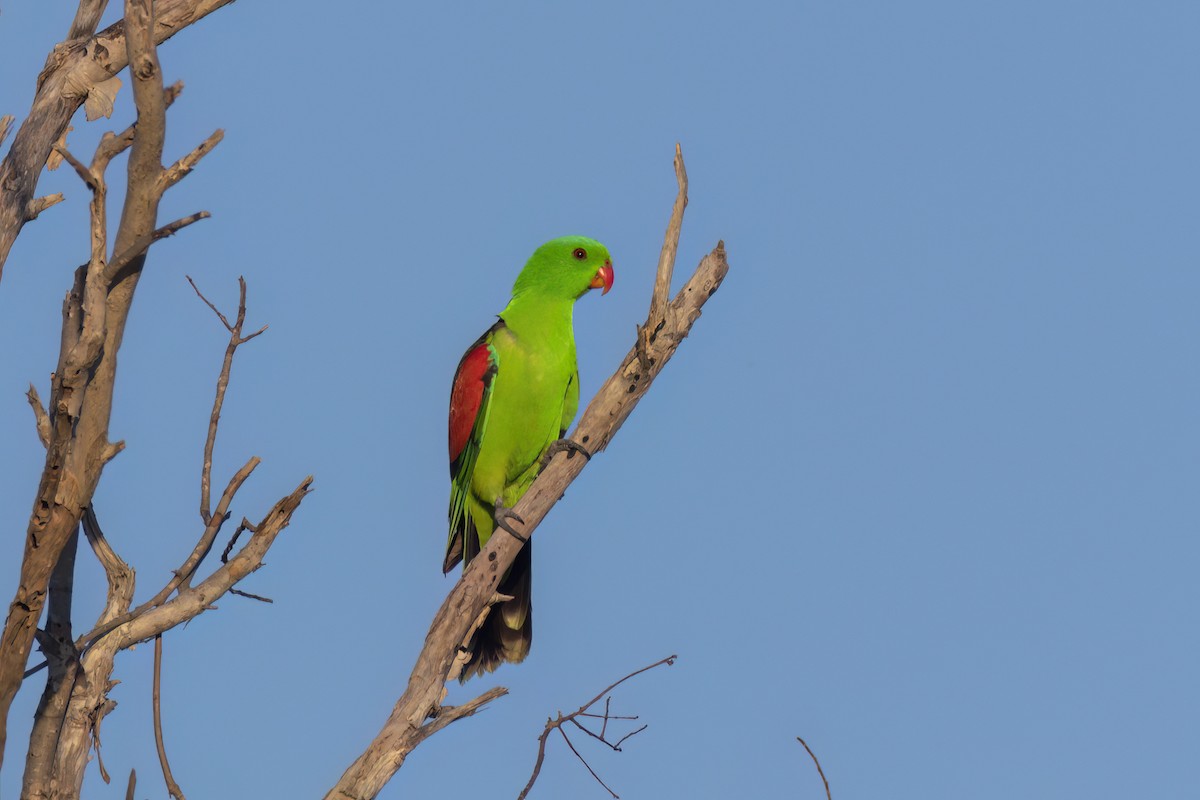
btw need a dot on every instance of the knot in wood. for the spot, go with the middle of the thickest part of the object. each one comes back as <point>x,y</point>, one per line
<point>145,68</point>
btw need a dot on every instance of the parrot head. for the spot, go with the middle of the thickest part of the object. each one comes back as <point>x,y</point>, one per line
<point>566,267</point>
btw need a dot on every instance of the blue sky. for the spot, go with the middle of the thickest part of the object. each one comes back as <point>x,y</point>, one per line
<point>920,487</point>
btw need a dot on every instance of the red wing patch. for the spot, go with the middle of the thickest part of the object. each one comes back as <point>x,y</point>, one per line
<point>475,372</point>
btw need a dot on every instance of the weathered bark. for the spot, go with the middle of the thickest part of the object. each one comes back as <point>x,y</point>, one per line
<point>73,69</point>
<point>96,309</point>
<point>417,713</point>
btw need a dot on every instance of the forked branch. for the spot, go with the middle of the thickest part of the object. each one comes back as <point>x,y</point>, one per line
<point>74,70</point>
<point>557,723</point>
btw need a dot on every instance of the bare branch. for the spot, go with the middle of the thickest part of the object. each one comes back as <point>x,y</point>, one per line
<point>113,144</point>
<point>235,339</point>
<point>250,596</point>
<point>89,702</point>
<point>40,415</point>
<point>666,263</point>
<point>181,168</point>
<point>244,525</point>
<point>5,124</point>
<point>138,248</point>
<point>39,204</point>
<point>820,771</point>
<point>95,314</point>
<point>449,714</point>
<point>193,601</point>
<point>132,785</point>
<point>181,576</point>
<point>117,573</point>
<point>628,736</point>
<point>87,17</point>
<point>74,68</point>
<point>209,303</point>
<point>605,414</point>
<point>84,173</point>
<point>583,761</point>
<point>669,661</point>
<point>558,722</point>
<point>172,787</point>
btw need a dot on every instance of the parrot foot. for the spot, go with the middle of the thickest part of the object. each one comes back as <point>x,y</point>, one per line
<point>503,515</point>
<point>557,446</point>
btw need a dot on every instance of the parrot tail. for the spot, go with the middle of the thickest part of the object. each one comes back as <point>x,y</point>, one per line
<point>508,630</point>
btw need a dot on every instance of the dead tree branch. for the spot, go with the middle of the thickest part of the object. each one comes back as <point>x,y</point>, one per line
<point>406,727</point>
<point>74,69</point>
<point>655,319</point>
<point>76,425</point>
<point>235,340</point>
<point>119,628</point>
<point>172,787</point>
<point>582,711</point>
<point>820,771</point>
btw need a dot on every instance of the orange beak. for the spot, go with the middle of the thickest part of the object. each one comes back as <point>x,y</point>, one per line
<point>604,278</point>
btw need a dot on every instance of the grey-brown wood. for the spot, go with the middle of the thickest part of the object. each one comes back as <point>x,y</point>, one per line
<point>74,67</point>
<point>94,316</point>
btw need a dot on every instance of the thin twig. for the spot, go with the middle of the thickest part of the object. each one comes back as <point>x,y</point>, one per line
<point>84,173</point>
<point>235,339</point>
<point>180,169</point>
<point>629,735</point>
<point>209,303</point>
<point>583,761</point>
<point>250,596</point>
<point>127,256</point>
<point>669,661</point>
<point>172,786</point>
<point>132,786</point>
<point>582,711</point>
<point>820,771</point>
<point>244,525</point>
<point>660,299</point>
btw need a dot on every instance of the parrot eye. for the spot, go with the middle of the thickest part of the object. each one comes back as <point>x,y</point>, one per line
<point>580,253</point>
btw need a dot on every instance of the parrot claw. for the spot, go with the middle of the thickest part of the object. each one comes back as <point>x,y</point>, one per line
<point>503,515</point>
<point>557,446</point>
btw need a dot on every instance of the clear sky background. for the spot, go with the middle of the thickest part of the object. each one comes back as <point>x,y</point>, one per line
<point>921,487</point>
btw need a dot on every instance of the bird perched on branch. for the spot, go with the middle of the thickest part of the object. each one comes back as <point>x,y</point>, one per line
<point>515,393</point>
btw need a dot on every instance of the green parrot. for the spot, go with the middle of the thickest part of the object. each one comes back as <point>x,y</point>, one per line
<point>515,393</point>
